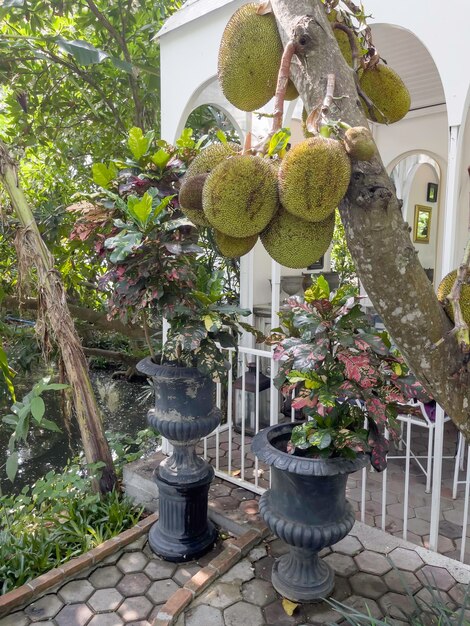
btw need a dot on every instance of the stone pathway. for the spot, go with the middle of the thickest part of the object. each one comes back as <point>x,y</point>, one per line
<point>136,588</point>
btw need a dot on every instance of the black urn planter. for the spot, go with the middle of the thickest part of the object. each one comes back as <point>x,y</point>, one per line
<point>305,507</point>
<point>184,412</point>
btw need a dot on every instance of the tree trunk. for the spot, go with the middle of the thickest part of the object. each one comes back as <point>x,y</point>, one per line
<point>52,298</point>
<point>377,235</point>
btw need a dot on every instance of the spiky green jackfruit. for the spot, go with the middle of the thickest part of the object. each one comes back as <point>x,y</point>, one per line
<point>444,290</point>
<point>291,91</point>
<point>295,243</point>
<point>190,199</point>
<point>388,93</point>
<point>313,178</point>
<point>240,195</point>
<point>359,143</point>
<point>211,156</point>
<point>234,247</point>
<point>249,58</point>
<point>343,39</point>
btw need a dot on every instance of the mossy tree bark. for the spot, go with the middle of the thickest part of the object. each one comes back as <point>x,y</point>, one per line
<point>52,299</point>
<point>377,235</point>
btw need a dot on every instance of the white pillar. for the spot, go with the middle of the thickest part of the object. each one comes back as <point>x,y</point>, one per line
<point>246,295</point>
<point>275,303</point>
<point>451,201</point>
<point>436,479</point>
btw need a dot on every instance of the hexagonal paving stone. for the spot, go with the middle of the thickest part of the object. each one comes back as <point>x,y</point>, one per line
<point>240,572</point>
<point>44,608</point>
<point>259,592</point>
<point>368,585</point>
<point>372,563</point>
<point>134,584</point>
<point>257,553</point>
<point>437,577</point>
<point>158,570</point>
<point>424,598</point>
<point>107,576</point>
<point>138,544</point>
<point>135,608</point>
<point>444,544</point>
<point>132,562</point>
<point>76,591</point>
<point>219,595</point>
<point>349,546</point>
<point>364,605</point>
<point>15,619</point>
<point>397,605</point>
<point>73,615</point>
<point>400,581</point>
<point>243,613</point>
<point>106,619</point>
<point>161,590</point>
<point>405,559</point>
<point>275,615</point>
<point>264,568</point>
<point>185,572</point>
<point>204,615</point>
<point>105,600</point>
<point>342,564</point>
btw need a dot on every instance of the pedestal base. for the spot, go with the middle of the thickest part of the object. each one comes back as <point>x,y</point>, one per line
<point>183,532</point>
<point>301,576</point>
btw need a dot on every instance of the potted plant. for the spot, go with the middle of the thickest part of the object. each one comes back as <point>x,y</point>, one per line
<point>153,272</point>
<point>347,381</point>
<point>183,378</point>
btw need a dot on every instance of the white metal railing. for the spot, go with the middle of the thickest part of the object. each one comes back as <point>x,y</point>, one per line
<point>229,451</point>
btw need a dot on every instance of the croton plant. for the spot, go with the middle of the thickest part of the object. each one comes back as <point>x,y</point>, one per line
<point>341,370</point>
<point>150,253</point>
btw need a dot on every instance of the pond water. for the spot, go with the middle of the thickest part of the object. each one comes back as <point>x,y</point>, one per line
<point>124,410</point>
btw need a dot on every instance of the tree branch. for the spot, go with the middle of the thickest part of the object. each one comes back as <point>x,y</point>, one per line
<point>461,327</point>
<point>121,41</point>
<point>377,235</point>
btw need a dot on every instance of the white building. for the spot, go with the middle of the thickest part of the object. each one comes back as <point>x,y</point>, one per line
<point>428,45</point>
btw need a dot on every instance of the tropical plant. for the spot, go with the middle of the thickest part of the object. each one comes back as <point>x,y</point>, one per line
<point>341,370</point>
<point>55,520</point>
<point>134,225</point>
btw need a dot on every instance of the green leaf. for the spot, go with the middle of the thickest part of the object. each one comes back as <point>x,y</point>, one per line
<point>160,158</point>
<point>38,408</point>
<point>140,209</point>
<point>7,372</point>
<point>138,142</point>
<point>12,466</point>
<point>102,174</point>
<point>279,141</point>
<point>11,3</point>
<point>83,52</point>
<point>49,425</point>
<point>186,139</point>
<point>121,64</point>
<point>56,387</point>
<point>221,136</point>
<point>122,245</point>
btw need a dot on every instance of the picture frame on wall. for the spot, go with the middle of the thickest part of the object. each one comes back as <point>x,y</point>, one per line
<point>431,195</point>
<point>422,224</point>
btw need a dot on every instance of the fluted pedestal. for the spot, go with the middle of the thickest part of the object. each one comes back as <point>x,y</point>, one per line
<point>183,413</point>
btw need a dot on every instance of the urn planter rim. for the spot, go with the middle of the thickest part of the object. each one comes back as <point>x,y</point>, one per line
<point>150,368</point>
<point>262,447</point>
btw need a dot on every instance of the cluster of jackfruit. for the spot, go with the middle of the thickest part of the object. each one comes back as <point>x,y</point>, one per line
<point>289,206</point>
<point>444,290</point>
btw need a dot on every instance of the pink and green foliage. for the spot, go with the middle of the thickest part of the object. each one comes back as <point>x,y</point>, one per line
<point>150,252</point>
<point>341,370</point>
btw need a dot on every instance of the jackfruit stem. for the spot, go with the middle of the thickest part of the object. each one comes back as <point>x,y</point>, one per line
<point>461,330</point>
<point>281,86</point>
<point>326,104</point>
<point>352,42</point>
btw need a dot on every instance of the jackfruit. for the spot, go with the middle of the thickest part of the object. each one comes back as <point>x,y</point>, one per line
<point>211,156</point>
<point>295,243</point>
<point>240,195</point>
<point>291,91</point>
<point>388,93</point>
<point>305,130</point>
<point>249,58</point>
<point>444,290</point>
<point>359,143</point>
<point>313,178</point>
<point>234,247</point>
<point>190,199</point>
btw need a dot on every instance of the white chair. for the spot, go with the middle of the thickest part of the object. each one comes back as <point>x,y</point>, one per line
<point>421,420</point>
